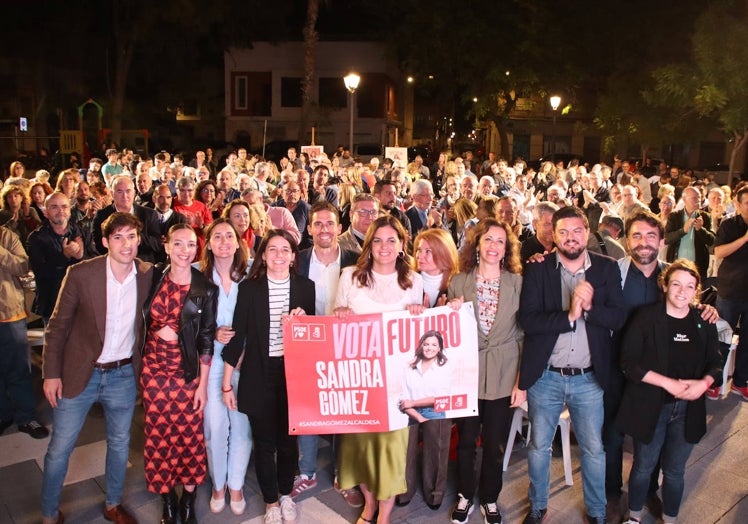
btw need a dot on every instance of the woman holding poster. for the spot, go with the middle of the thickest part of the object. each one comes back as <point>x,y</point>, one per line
<point>272,290</point>
<point>382,280</point>
<point>436,261</point>
<point>490,277</point>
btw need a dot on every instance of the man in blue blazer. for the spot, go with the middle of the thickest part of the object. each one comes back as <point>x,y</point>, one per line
<point>570,304</point>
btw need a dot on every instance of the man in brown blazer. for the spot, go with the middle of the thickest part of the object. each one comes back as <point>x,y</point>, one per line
<point>92,354</point>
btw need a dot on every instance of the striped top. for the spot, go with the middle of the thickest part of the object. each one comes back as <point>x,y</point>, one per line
<point>279,296</point>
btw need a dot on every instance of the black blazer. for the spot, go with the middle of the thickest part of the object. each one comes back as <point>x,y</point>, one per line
<point>416,224</point>
<point>197,320</point>
<point>347,258</point>
<point>543,319</point>
<point>150,237</point>
<point>645,348</point>
<point>251,325</point>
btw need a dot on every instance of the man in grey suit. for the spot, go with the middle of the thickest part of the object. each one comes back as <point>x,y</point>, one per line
<point>92,354</point>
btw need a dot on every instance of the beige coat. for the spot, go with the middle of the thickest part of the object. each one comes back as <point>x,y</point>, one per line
<point>499,351</point>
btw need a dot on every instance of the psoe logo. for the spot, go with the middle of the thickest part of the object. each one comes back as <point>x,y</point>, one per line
<point>300,332</point>
<point>441,403</point>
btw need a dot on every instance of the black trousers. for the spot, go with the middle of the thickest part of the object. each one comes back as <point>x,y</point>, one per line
<point>276,452</point>
<point>492,424</point>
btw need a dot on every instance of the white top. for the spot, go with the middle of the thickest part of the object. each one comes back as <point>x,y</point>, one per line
<point>385,295</point>
<point>279,296</point>
<point>325,278</point>
<point>121,299</point>
<point>433,383</point>
<point>431,284</point>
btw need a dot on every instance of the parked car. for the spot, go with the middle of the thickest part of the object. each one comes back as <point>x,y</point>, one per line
<point>720,171</point>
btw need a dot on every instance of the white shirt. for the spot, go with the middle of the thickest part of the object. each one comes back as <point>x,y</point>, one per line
<point>325,278</point>
<point>164,217</point>
<point>121,298</point>
<point>385,294</point>
<point>418,384</point>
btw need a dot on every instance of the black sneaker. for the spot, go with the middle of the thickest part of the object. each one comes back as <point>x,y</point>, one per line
<point>34,429</point>
<point>462,511</point>
<point>491,513</point>
<point>536,516</point>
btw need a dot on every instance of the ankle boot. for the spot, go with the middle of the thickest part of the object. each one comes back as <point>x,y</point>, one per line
<point>169,515</point>
<point>187,507</point>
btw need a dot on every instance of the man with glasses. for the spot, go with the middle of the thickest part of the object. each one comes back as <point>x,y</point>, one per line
<point>422,214</point>
<point>364,211</point>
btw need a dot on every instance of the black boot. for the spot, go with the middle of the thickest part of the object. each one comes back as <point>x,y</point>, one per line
<point>187,507</point>
<point>169,515</point>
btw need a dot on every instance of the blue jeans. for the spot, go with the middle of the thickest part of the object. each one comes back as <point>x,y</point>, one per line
<point>734,312</point>
<point>584,398</point>
<point>228,438</point>
<point>308,454</point>
<point>16,391</point>
<point>668,444</point>
<point>115,390</point>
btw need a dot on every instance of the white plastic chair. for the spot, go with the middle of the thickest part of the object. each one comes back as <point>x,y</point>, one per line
<point>564,422</point>
<point>729,368</point>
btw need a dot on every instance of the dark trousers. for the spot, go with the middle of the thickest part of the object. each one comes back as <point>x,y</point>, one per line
<point>492,424</point>
<point>271,438</point>
<point>435,434</point>
<point>613,440</point>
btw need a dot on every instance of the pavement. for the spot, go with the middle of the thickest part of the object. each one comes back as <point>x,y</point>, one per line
<point>716,479</point>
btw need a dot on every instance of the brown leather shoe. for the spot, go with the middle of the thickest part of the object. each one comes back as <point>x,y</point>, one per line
<point>119,515</point>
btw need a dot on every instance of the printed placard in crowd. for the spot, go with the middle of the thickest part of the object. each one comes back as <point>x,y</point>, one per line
<point>380,372</point>
<point>314,152</point>
<point>398,155</point>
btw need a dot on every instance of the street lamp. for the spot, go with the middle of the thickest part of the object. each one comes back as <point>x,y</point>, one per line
<point>555,103</point>
<point>351,81</point>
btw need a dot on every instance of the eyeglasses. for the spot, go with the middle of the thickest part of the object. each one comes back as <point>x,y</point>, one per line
<point>367,213</point>
<point>293,191</point>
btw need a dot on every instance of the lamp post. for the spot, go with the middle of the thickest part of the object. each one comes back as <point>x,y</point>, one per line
<point>351,81</point>
<point>555,103</point>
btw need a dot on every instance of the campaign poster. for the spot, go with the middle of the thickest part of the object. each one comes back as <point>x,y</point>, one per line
<point>314,152</point>
<point>378,372</point>
<point>399,156</point>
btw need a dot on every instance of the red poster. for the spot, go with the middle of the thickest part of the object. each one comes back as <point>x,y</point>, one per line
<point>359,374</point>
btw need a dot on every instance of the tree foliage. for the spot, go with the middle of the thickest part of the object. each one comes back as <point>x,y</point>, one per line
<point>713,83</point>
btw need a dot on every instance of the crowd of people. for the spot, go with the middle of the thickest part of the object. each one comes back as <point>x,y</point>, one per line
<point>176,278</point>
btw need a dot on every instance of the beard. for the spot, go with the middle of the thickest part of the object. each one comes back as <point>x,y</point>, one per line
<point>644,255</point>
<point>571,253</point>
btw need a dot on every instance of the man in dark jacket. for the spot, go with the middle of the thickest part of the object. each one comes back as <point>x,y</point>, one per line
<point>569,305</point>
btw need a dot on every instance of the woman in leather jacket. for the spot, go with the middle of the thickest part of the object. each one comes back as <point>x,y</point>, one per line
<point>180,320</point>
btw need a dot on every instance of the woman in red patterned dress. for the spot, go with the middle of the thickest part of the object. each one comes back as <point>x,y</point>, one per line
<point>181,322</point>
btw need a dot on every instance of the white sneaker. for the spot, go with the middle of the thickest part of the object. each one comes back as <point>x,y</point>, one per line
<point>288,508</point>
<point>273,515</point>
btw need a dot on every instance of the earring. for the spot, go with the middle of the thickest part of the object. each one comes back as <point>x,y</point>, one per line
<point>291,264</point>
<point>401,254</point>
<point>477,256</point>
